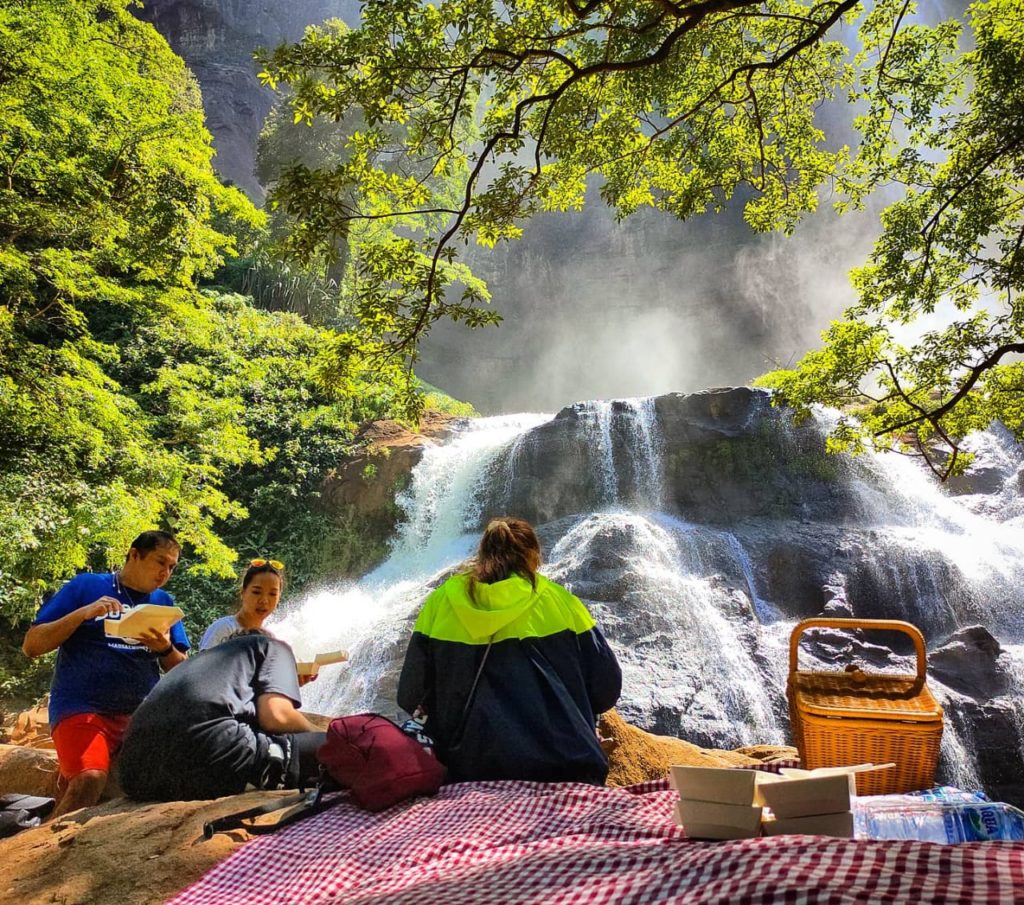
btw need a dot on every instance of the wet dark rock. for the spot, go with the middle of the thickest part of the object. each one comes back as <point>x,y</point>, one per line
<point>837,607</point>
<point>990,730</point>
<point>970,664</point>
<point>727,455</point>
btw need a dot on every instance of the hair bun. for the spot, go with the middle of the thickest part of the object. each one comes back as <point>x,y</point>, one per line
<point>498,525</point>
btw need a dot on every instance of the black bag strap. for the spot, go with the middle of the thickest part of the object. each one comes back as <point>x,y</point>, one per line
<point>461,728</point>
<point>307,804</point>
<point>237,820</point>
<point>317,806</point>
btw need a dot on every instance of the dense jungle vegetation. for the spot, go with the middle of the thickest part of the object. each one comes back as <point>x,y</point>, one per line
<point>137,389</point>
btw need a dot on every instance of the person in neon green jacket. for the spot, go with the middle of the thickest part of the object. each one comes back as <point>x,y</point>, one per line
<point>510,669</point>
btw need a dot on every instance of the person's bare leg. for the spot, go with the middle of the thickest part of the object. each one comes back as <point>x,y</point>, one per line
<point>83,792</point>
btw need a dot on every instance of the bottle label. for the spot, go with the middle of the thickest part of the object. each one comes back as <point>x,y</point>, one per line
<point>972,824</point>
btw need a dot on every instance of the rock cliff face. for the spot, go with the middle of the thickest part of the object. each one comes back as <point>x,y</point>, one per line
<point>217,39</point>
<point>698,528</point>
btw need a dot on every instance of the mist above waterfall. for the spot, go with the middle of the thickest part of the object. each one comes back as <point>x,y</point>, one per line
<point>598,310</point>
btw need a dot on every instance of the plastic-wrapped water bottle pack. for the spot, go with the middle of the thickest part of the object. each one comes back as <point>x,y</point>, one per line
<point>943,814</point>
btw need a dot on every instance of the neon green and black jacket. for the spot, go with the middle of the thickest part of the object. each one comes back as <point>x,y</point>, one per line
<point>548,674</point>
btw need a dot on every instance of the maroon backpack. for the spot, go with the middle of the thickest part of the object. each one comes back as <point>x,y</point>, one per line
<point>380,762</point>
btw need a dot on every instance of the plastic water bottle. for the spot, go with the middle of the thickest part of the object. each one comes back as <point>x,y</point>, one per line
<point>937,821</point>
<point>946,793</point>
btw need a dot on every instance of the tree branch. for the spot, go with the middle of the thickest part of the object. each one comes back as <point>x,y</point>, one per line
<point>972,378</point>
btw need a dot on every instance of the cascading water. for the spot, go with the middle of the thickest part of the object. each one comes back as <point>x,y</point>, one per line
<point>698,530</point>
<point>647,465</point>
<point>371,618</point>
<point>597,416</point>
<point>691,650</point>
<point>625,438</point>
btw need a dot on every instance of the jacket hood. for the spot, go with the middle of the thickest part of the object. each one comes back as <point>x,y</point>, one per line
<point>495,605</point>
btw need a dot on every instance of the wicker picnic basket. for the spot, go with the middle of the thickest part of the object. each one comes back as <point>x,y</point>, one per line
<point>844,718</point>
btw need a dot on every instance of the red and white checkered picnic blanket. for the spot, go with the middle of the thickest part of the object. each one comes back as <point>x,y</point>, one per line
<point>515,842</point>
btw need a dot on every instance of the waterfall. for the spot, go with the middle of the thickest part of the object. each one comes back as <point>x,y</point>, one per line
<point>625,435</point>
<point>371,618</point>
<point>766,611</point>
<point>954,556</point>
<point>642,419</point>
<point>698,532</point>
<point>597,416</point>
<point>685,640</point>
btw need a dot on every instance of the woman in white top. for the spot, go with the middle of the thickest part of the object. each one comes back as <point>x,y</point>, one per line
<point>261,590</point>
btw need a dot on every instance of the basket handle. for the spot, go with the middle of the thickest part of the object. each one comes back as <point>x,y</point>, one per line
<point>896,625</point>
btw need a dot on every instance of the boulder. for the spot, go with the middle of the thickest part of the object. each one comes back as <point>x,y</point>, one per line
<point>33,771</point>
<point>366,483</point>
<point>726,456</point>
<point>30,771</point>
<point>639,756</point>
<point>361,492</point>
<point>121,852</point>
<point>969,663</point>
<point>991,730</point>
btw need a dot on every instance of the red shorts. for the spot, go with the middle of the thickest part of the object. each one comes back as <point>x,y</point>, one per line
<point>87,741</point>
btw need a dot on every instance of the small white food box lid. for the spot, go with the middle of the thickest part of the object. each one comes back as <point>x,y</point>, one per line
<point>720,784</point>
<point>312,667</point>
<point>810,796</point>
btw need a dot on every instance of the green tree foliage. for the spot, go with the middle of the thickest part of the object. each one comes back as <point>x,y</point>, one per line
<point>335,181</point>
<point>931,350</point>
<point>672,105</point>
<point>106,201</point>
<point>128,398</point>
<point>311,288</point>
<point>235,380</point>
<point>679,106</point>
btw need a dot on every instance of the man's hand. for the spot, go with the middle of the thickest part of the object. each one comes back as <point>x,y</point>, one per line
<point>276,713</point>
<point>47,636</point>
<point>154,640</point>
<point>306,678</point>
<point>103,606</point>
<point>160,643</point>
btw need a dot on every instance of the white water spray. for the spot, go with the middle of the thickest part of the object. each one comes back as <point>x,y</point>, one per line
<point>369,618</point>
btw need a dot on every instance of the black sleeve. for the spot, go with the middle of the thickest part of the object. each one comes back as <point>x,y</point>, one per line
<point>413,684</point>
<point>601,671</point>
<point>276,672</point>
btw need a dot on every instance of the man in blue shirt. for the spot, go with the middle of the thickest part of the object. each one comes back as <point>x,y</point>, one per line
<point>98,681</point>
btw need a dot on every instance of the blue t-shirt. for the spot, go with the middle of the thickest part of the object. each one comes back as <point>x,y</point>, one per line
<point>94,673</point>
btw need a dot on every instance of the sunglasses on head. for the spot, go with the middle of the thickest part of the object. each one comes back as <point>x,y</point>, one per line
<point>273,563</point>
